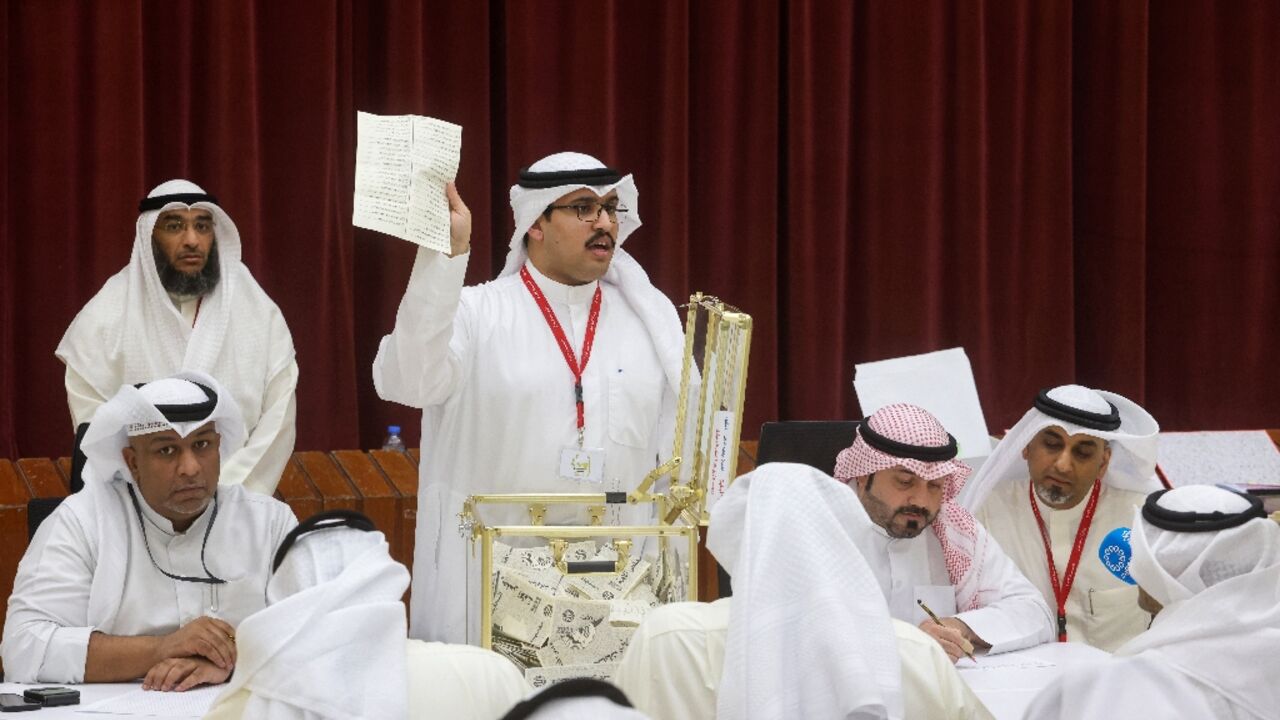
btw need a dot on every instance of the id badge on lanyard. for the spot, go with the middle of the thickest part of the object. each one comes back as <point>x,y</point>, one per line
<point>578,463</point>
<point>581,464</point>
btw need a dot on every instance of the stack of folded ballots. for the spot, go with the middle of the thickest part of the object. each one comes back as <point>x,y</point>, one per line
<point>558,626</point>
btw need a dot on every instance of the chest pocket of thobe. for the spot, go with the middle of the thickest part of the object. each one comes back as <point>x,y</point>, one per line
<point>634,403</point>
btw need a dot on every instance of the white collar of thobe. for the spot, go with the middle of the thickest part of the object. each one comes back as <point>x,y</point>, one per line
<point>180,300</point>
<point>163,524</point>
<point>557,292</point>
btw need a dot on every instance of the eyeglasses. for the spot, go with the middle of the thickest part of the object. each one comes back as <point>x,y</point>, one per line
<point>178,226</point>
<point>589,210</point>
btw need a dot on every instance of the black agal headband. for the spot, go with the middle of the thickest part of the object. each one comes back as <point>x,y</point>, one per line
<point>587,176</point>
<point>192,412</point>
<point>321,521</point>
<point>926,453</point>
<point>159,201</point>
<point>1189,522</point>
<point>1083,418</point>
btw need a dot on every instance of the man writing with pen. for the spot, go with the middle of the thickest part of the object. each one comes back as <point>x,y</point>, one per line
<point>902,466</point>
<point>146,571</point>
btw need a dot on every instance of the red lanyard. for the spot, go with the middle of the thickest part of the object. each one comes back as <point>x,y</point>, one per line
<point>587,341</point>
<point>1060,591</point>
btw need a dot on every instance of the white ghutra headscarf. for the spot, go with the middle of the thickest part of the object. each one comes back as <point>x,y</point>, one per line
<point>575,171</point>
<point>1211,557</point>
<point>131,332</point>
<point>1132,432</point>
<point>809,629</point>
<point>140,411</point>
<point>331,641</point>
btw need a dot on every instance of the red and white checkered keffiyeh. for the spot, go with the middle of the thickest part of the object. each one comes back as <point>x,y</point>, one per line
<point>961,537</point>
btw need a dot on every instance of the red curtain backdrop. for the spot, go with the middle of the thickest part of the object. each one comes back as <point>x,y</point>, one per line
<point>1072,191</point>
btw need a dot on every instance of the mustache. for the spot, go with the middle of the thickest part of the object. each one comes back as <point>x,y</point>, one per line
<point>601,234</point>
<point>916,509</point>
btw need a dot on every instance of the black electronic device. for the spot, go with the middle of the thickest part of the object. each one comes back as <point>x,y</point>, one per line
<point>13,702</point>
<point>52,696</point>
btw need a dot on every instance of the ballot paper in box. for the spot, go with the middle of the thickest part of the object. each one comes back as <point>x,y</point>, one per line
<point>561,590</point>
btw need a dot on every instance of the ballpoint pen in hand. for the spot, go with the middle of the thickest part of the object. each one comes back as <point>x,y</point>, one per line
<point>935,619</point>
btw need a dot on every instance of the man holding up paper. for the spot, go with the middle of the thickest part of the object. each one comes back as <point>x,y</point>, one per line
<point>1066,476</point>
<point>558,376</point>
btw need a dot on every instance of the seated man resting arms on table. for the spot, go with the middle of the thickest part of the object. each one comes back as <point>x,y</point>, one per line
<point>147,571</point>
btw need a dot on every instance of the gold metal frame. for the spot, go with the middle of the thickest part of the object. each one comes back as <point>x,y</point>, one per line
<point>722,387</point>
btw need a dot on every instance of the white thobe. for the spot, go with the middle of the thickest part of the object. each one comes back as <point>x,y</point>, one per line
<point>1102,610</point>
<point>672,667</point>
<point>1143,686</point>
<point>87,570</point>
<point>266,395</point>
<point>913,568</point>
<point>498,409</point>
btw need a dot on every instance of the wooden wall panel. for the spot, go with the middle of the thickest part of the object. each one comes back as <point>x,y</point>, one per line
<point>14,495</point>
<point>378,499</point>
<point>296,491</point>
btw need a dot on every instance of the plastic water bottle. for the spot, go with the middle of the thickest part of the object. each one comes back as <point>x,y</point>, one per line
<point>393,441</point>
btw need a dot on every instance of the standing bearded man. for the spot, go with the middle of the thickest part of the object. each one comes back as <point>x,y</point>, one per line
<point>186,302</point>
<point>558,376</point>
<point>1071,471</point>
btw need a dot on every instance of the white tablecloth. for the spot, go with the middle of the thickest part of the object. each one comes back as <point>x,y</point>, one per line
<point>93,693</point>
<point>1006,683</point>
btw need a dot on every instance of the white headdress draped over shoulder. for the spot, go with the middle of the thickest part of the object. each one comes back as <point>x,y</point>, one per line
<point>555,176</point>
<point>1076,409</point>
<point>132,332</point>
<point>791,537</point>
<point>1211,557</point>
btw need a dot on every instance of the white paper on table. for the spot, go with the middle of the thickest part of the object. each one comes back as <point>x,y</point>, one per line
<point>402,165</point>
<point>1246,457</point>
<point>940,382</point>
<point>153,703</point>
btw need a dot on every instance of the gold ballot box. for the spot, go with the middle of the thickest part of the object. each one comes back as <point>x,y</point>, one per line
<point>561,598</point>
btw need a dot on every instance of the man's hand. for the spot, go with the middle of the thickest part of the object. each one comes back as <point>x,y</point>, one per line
<point>205,636</point>
<point>950,635</point>
<point>459,222</point>
<point>182,674</point>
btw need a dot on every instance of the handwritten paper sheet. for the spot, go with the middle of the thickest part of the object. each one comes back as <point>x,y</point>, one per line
<point>153,703</point>
<point>402,165</point>
<point>1208,458</point>
<point>940,382</point>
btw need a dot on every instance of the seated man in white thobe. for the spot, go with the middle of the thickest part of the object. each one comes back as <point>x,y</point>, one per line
<point>807,633</point>
<point>902,466</point>
<point>333,640</point>
<point>148,570</point>
<point>186,302</point>
<point>1207,562</point>
<point>558,376</point>
<point>1070,472</point>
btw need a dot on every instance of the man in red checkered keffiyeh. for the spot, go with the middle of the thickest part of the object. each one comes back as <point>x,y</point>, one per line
<point>902,466</point>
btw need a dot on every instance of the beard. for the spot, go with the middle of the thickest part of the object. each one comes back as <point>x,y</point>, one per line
<point>188,284</point>
<point>910,528</point>
<point>1050,494</point>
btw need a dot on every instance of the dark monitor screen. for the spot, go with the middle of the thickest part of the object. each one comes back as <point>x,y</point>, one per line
<point>815,443</point>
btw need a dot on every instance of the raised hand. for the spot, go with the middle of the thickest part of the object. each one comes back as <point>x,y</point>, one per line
<point>459,222</point>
